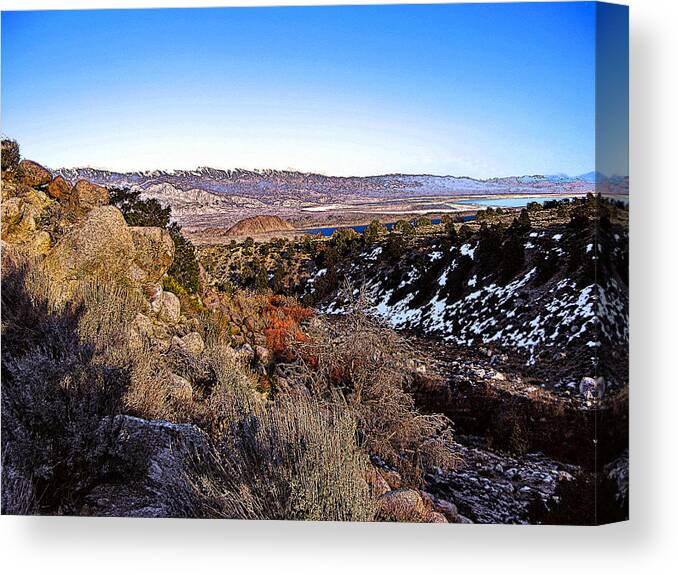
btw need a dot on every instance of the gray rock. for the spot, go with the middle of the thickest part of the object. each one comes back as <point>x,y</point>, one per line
<point>193,343</point>
<point>180,388</point>
<point>161,452</point>
<point>168,307</point>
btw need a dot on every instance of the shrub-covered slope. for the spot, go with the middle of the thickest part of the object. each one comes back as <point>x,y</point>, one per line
<point>553,294</point>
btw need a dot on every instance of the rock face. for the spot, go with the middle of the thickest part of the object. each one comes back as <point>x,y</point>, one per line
<point>154,253</point>
<point>34,175</point>
<point>59,189</point>
<point>259,225</point>
<point>159,452</point>
<point>86,196</point>
<point>99,246</point>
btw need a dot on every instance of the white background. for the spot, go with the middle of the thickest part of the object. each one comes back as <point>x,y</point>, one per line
<point>645,544</point>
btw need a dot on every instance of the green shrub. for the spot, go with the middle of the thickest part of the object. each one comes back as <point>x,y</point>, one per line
<point>422,222</point>
<point>403,226</point>
<point>373,232</point>
<point>185,267</point>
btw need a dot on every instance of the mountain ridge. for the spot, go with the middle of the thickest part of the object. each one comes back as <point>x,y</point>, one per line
<point>264,172</point>
<point>318,188</point>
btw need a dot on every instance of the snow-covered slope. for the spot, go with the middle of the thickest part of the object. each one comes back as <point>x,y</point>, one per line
<point>555,294</point>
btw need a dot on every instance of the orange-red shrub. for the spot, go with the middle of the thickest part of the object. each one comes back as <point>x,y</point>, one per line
<point>283,325</point>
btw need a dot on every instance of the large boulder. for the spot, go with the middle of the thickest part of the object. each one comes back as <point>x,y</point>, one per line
<point>154,456</point>
<point>86,196</point>
<point>155,253</point>
<point>33,174</point>
<point>99,246</point>
<point>59,189</point>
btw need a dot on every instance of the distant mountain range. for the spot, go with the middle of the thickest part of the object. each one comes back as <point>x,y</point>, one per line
<point>211,199</point>
<point>278,187</point>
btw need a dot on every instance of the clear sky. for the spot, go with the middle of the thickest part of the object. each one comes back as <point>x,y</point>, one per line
<point>478,90</point>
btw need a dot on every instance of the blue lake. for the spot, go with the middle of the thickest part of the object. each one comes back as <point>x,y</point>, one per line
<point>360,229</point>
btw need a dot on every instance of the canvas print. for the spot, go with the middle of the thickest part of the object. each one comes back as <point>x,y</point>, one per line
<point>332,263</point>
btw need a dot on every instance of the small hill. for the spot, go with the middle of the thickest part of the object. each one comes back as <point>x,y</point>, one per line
<point>259,225</point>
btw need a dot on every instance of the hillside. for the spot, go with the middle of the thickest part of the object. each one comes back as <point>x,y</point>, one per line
<point>517,324</point>
<point>552,294</point>
<point>258,225</point>
<point>278,185</point>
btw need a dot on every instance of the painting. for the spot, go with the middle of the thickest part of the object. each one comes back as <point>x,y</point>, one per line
<point>331,263</point>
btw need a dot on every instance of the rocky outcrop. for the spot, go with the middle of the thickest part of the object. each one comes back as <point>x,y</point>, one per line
<point>33,174</point>
<point>102,245</point>
<point>20,215</point>
<point>87,196</point>
<point>99,246</point>
<point>59,189</point>
<point>492,487</point>
<point>259,225</point>
<point>154,253</point>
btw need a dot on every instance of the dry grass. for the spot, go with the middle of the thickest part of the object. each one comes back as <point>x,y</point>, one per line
<point>281,460</point>
<point>54,395</point>
<point>358,363</point>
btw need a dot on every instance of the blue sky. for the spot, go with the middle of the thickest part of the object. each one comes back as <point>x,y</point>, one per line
<point>479,90</point>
